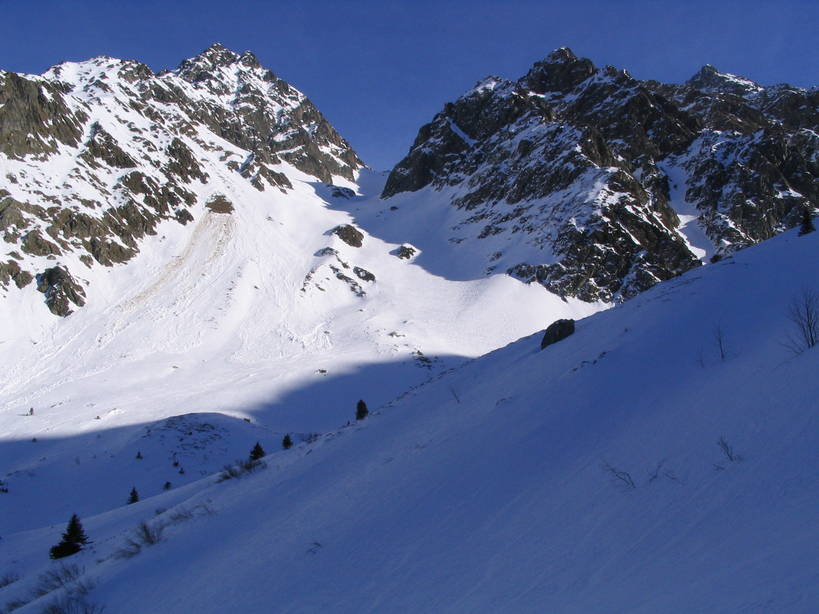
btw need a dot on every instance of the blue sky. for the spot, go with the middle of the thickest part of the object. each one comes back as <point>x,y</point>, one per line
<point>379,70</point>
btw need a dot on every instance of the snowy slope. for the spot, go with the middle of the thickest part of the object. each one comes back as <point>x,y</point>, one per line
<point>485,489</point>
<point>193,213</point>
<point>243,316</point>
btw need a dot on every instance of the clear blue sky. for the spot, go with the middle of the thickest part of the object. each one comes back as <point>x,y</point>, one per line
<point>379,70</point>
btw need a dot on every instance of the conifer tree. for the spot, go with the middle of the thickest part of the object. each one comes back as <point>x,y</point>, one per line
<point>287,443</point>
<point>74,538</point>
<point>257,452</point>
<point>361,410</point>
<point>134,496</point>
<point>806,226</point>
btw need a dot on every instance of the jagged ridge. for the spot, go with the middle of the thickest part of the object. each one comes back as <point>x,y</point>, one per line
<point>583,164</point>
<point>95,154</point>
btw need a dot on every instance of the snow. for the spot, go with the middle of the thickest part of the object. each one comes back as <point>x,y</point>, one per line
<point>692,231</point>
<point>484,488</point>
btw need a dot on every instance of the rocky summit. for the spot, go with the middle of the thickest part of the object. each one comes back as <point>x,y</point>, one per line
<point>598,185</point>
<point>95,154</point>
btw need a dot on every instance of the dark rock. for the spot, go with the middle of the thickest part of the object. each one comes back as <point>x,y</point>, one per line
<point>36,245</point>
<point>219,204</point>
<point>34,118</point>
<point>61,290</point>
<point>557,331</point>
<point>326,251</point>
<point>341,192</point>
<point>182,163</point>
<point>349,234</point>
<point>183,216</point>
<point>405,252</point>
<point>101,147</point>
<point>11,271</point>
<point>363,274</point>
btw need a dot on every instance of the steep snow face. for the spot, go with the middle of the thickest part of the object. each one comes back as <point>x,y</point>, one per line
<point>635,466</point>
<point>598,185</point>
<point>95,155</point>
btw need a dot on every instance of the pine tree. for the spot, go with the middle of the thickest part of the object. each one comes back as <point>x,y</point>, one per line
<point>361,410</point>
<point>139,455</point>
<point>73,539</point>
<point>134,496</point>
<point>806,226</point>
<point>287,443</point>
<point>257,452</point>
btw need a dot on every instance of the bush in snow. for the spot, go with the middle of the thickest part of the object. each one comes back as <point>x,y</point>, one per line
<point>287,443</point>
<point>257,452</point>
<point>145,535</point>
<point>361,410</point>
<point>240,468</point>
<point>134,496</point>
<point>806,226</point>
<point>803,312</point>
<point>73,540</point>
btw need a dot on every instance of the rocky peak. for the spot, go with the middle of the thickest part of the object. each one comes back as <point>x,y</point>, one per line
<point>249,60</point>
<point>560,71</point>
<point>709,79</point>
<point>577,178</point>
<point>134,149</point>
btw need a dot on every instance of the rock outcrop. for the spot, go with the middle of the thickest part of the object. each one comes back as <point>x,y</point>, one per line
<point>557,331</point>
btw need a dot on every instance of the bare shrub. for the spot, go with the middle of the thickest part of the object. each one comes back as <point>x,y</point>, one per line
<point>728,450</point>
<point>145,535</point>
<point>14,604</point>
<point>149,535</point>
<point>803,313</point>
<point>722,345</point>
<point>71,604</point>
<point>8,578</point>
<point>240,468</point>
<point>619,476</point>
<point>61,577</point>
<point>661,471</point>
<point>183,514</point>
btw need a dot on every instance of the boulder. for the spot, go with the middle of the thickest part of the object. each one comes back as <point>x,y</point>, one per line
<point>349,234</point>
<point>557,331</point>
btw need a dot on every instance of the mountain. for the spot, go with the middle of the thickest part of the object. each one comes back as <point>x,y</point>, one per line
<point>195,261</point>
<point>267,294</point>
<point>96,154</point>
<point>643,464</point>
<point>598,185</point>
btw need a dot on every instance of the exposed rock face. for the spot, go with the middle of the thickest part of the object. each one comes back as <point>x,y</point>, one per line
<point>591,169</point>
<point>219,204</point>
<point>134,148</point>
<point>61,290</point>
<point>557,331</point>
<point>363,274</point>
<point>349,234</point>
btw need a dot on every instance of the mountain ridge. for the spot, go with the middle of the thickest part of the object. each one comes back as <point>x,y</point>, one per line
<point>593,169</point>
